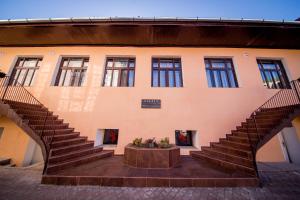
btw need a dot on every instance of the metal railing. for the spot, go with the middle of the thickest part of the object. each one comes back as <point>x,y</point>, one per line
<point>284,98</point>
<point>16,94</point>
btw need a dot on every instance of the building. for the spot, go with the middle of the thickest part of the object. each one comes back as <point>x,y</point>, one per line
<point>117,79</point>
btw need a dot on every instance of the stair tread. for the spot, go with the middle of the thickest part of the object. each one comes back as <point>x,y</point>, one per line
<point>70,140</point>
<point>73,145</point>
<point>104,152</point>
<point>227,154</point>
<point>74,152</point>
<point>230,163</point>
<point>230,147</point>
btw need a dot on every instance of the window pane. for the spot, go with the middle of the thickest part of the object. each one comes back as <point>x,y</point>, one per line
<point>228,64</point>
<point>115,78</point>
<point>109,63</point>
<point>121,63</point>
<point>178,78</point>
<point>131,64</point>
<point>166,64</point>
<point>155,78</point>
<point>155,63</point>
<point>61,78</point>
<point>124,78</point>
<point>217,78</point>
<point>276,79</point>
<point>162,77</point>
<point>75,63</point>
<point>65,63</point>
<point>263,78</point>
<point>86,63</point>
<point>171,79</point>
<point>284,84</point>
<point>177,64</point>
<point>209,78</point>
<point>224,79</point>
<point>21,76</point>
<point>76,78</point>
<point>218,65</point>
<point>269,66</point>
<point>28,77</point>
<point>82,78</point>
<point>269,79</point>
<point>131,78</point>
<point>107,79</point>
<point>231,79</point>
<point>30,63</point>
<point>67,78</point>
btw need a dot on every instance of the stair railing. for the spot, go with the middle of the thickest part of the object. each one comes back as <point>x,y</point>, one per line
<point>284,98</point>
<point>12,91</point>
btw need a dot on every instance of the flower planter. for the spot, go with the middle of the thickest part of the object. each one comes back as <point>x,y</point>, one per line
<point>152,157</point>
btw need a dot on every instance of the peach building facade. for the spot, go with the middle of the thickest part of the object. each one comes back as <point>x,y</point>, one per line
<point>210,112</point>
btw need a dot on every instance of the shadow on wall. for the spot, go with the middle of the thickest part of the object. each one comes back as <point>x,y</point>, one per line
<point>17,145</point>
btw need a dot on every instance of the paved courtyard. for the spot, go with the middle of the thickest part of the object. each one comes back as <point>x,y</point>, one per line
<point>280,181</point>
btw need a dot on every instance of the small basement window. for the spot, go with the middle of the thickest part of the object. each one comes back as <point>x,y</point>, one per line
<point>107,137</point>
<point>184,138</point>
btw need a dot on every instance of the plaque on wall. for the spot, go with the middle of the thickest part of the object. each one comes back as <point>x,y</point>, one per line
<point>151,103</point>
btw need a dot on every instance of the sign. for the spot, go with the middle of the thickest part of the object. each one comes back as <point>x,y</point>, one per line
<point>151,103</point>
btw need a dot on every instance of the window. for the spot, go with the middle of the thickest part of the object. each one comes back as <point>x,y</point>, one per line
<point>72,71</point>
<point>184,138</point>
<point>166,72</point>
<point>220,73</point>
<point>119,72</point>
<point>110,136</point>
<point>273,74</point>
<point>25,71</point>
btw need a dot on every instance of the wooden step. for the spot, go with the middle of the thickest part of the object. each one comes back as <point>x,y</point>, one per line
<point>55,132</point>
<point>258,125</point>
<point>232,150</point>
<point>38,117</point>
<point>67,149</point>
<point>227,157</point>
<point>78,161</point>
<point>260,130</point>
<point>69,142</point>
<point>34,112</point>
<point>48,121</point>
<point>241,139</point>
<point>74,154</point>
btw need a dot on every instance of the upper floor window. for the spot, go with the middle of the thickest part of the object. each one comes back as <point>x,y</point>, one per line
<point>72,71</point>
<point>119,72</point>
<point>25,70</point>
<point>220,73</point>
<point>273,74</point>
<point>166,72</point>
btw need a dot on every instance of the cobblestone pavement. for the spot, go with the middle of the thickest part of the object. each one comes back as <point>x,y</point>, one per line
<point>279,182</point>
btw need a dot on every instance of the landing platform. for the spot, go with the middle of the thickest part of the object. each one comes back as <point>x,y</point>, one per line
<point>113,172</point>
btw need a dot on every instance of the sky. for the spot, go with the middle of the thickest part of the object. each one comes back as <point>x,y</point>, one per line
<point>250,9</point>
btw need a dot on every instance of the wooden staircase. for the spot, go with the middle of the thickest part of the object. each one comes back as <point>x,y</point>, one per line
<point>238,149</point>
<point>64,146</point>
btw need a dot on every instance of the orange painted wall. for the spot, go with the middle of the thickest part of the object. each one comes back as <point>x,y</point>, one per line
<point>213,112</point>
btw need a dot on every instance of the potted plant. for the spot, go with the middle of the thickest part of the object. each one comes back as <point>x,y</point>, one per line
<point>164,143</point>
<point>150,143</point>
<point>137,142</point>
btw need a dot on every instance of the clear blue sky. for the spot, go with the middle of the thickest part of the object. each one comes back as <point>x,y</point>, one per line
<point>257,9</point>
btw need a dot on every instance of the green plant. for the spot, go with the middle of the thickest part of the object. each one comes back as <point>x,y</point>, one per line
<point>164,143</point>
<point>137,142</point>
<point>150,143</point>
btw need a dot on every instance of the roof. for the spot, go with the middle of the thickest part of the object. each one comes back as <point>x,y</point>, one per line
<point>181,32</point>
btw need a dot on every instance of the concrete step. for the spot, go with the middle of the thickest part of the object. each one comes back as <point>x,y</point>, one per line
<point>42,122</point>
<point>49,126</point>
<point>56,132</point>
<point>66,136</point>
<point>235,144</point>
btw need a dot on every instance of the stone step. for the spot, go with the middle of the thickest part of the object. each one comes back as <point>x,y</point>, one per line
<point>260,130</point>
<point>227,157</point>
<point>23,105</point>
<point>68,149</point>
<point>66,136</point>
<point>78,161</point>
<point>258,125</point>
<point>222,163</point>
<point>34,112</point>
<point>235,144</point>
<point>74,154</point>
<point>245,134</point>
<point>232,150</point>
<point>38,117</point>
